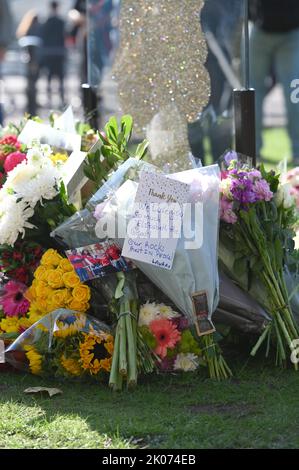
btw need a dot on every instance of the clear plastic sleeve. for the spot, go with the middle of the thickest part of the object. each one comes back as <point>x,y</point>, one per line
<point>64,343</point>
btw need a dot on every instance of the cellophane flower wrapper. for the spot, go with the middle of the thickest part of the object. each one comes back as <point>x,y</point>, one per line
<point>193,270</point>
<point>64,343</point>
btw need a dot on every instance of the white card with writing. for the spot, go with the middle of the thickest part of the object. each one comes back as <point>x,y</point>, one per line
<point>154,229</point>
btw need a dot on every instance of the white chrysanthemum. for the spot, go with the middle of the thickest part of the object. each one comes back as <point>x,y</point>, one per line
<point>36,158</point>
<point>187,362</point>
<point>33,183</point>
<point>148,312</point>
<point>167,312</point>
<point>13,219</point>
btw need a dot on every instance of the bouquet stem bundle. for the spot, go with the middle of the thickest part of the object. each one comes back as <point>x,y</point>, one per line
<point>270,273</point>
<point>217,366</point>
<point>131,354</point>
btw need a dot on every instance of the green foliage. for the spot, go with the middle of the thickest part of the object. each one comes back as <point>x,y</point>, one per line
<point>114,150</point>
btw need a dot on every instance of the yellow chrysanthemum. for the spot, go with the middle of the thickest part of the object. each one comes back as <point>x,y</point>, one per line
<point>10,325</point>
<point>24,323</point>
<point>71,366</point>
<point>35,313</point>
<point>35,359</point>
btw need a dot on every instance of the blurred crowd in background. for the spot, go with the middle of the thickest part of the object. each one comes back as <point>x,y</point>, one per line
<point>48,49</point>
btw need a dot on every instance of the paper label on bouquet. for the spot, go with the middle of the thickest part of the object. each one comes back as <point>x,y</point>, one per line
<point>203,324</point>
<point>98,260</point>
<point>48,135</point>
<point>73,172</point>
<point>154,230</point>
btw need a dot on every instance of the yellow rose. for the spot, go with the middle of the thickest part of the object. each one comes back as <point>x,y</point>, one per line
<point>66,265</point>
<point>30,294</point>
<point>51,257</point>
<point>81,293</point>
<point>41,289</point>
<point>78,306</point>
<point>58,299</point>
<point>71,279</point>
<point>40,273</point>
<point>54,278</point>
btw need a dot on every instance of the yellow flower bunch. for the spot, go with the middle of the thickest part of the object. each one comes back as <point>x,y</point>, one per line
<point>56,285</point>
<point>87,348</point>
<point>14,324</point>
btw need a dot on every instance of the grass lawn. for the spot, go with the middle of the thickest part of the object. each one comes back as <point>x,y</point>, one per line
<point>258,408</point>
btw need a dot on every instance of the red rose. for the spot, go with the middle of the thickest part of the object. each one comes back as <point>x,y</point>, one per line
<point>12,160</point>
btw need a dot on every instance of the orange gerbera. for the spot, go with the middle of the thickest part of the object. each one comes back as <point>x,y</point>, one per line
<point>166,334</point>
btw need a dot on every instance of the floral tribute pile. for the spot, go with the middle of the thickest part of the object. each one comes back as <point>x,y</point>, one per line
<point>63,326</point>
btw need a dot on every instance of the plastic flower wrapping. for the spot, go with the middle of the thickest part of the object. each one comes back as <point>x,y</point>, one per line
<point>192,271</point>
<point>64,343</point>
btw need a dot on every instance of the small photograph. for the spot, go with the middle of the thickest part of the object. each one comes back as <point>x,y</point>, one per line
<point>204,325</point>
<point>98,260</point>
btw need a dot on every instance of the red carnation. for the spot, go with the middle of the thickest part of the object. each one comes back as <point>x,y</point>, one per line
<point>17,256</point>
<point>11,140</point>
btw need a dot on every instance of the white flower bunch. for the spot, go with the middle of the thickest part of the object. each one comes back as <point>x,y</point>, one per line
<point>32,181</point>
<point>152,311</point>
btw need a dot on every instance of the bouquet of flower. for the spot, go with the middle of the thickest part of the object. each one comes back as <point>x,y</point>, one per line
<point>168,334</point>
<point>55,285</point>
<point>114,201</point>
<point>256,242</point>
<point>20,261</point>
<point>64,343</point>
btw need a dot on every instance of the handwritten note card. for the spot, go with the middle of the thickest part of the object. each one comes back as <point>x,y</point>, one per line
<point>155,227</point>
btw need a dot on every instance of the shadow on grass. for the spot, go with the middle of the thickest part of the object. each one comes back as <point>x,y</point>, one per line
<point>257,408</point>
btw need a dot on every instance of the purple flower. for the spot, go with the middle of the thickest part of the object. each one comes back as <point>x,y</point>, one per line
<point>226,211</point>
<point>242,189</point>
<point>262,190</point>
<point>166,364</point>
<point>180,322</point>
<point>254,174</point>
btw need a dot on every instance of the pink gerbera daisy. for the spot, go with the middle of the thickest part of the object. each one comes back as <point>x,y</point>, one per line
<point>166,334</point>
<point>13,301</point>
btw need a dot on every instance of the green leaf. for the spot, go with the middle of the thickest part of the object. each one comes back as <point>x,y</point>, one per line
<point>141,149</point>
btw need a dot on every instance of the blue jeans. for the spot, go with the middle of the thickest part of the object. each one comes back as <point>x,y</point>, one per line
<point>278,52</point>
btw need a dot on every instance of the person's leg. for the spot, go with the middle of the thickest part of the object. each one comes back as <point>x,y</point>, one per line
<point>287,69</point>
<point>262,47</point>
